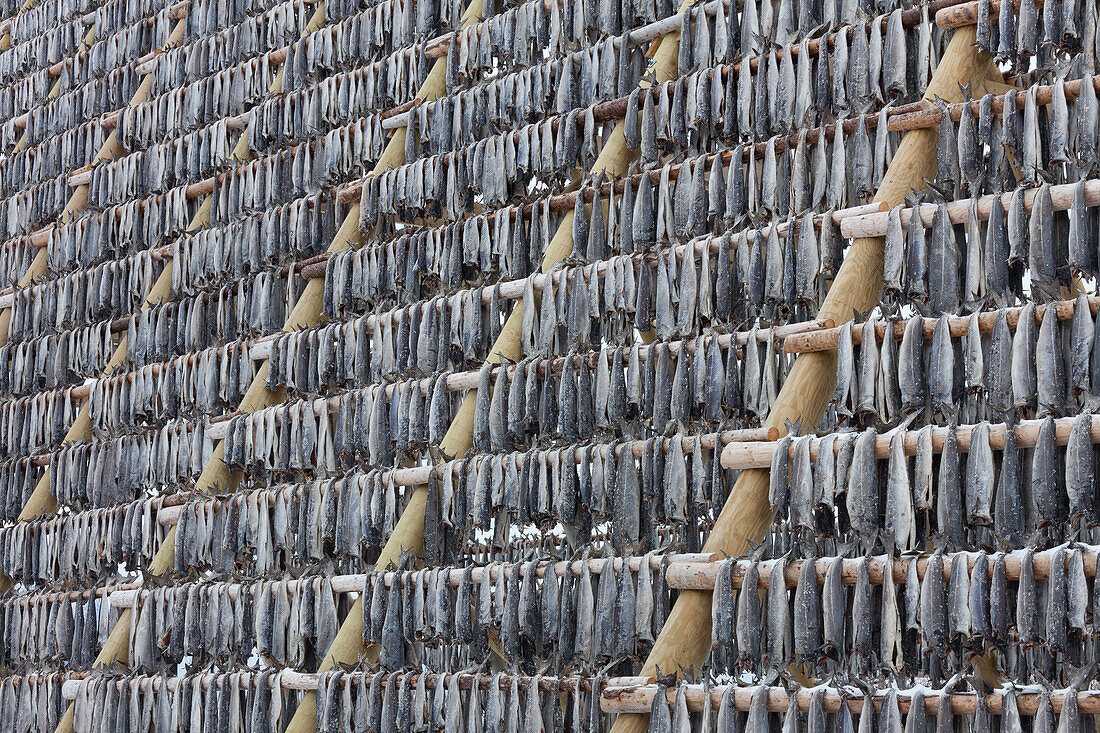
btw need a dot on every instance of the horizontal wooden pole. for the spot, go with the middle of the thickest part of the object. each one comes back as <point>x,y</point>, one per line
<point>826,339</point>
<point>743,456</point>
<point>1061,197</point>
<point>639,699</point>
<point>354,583</point>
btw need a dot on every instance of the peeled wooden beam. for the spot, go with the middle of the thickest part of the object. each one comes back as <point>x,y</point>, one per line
<point>684,642</point>
<point>966,14</point>
<point>694,575</point>
<point>1061,196</point>
<point>293,680</point>
<point>759,455</point>
<point>826,339</point>
<point>638,699</point>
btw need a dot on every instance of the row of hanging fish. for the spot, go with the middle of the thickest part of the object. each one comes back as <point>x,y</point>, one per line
<point>288,623</point>
<point>218,96</point>
<point>177,162</point>
<point>23,212</point>
<point>927,625</point>
<point>493,702</point>
<point>52,45</point>
<point>577,620</point>
<point>120,468</point>
<point>432,336</point>
<point>261,184</point>
<point>254,306</point>
<point>732,714</point>
<point>41,17</point>
<point>55,361</point>
<point>970,497</point>
<point>32,702</point>
<point>99,293</point>
<point>71,148</point>
<point>579,487</point>
<point>412,265</point>
<point>1042,367</point>
<point>207,17</point>
<point>239,39</point>
<point>17,480</point>
<point>1039,37</point>
<point>209,382</point>
<point>951,266</point>
<point>106,54</point>
<point>15,258</point>
<point>265,532</point>
<point>230,701</point>
<point>118,231</point>
<point>97,97</point>
<point>81,547</point>
<point>54,627</point>
<point>279,235</point>
<point>712,383</point>
<point>32,424</point>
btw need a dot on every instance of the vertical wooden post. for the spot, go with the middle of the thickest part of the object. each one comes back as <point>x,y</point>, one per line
<point>685,640</point>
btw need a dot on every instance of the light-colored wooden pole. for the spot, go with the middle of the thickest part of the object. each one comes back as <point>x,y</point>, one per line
<point>685,640</point>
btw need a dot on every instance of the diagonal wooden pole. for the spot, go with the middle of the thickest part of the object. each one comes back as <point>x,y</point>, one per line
<point>41,500</point>
<point>684,642</point>
<point>614,160</point>
<point>116,649</point>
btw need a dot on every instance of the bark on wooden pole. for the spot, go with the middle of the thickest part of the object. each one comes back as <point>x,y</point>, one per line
<point>685,640</point>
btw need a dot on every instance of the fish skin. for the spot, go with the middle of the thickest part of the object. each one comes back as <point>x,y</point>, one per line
<point>833,611</point>
<point>980,474</point>
<point>943,264</point>
<point>1050,500</point>
<point>1050,367</point>
<point>1080,483</point>
<point>949,501</point>
<point>780,644</point>
<point>807,614</point>
<point>900,521</point>
<point>749,627</point>
<point>1024,377</point>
